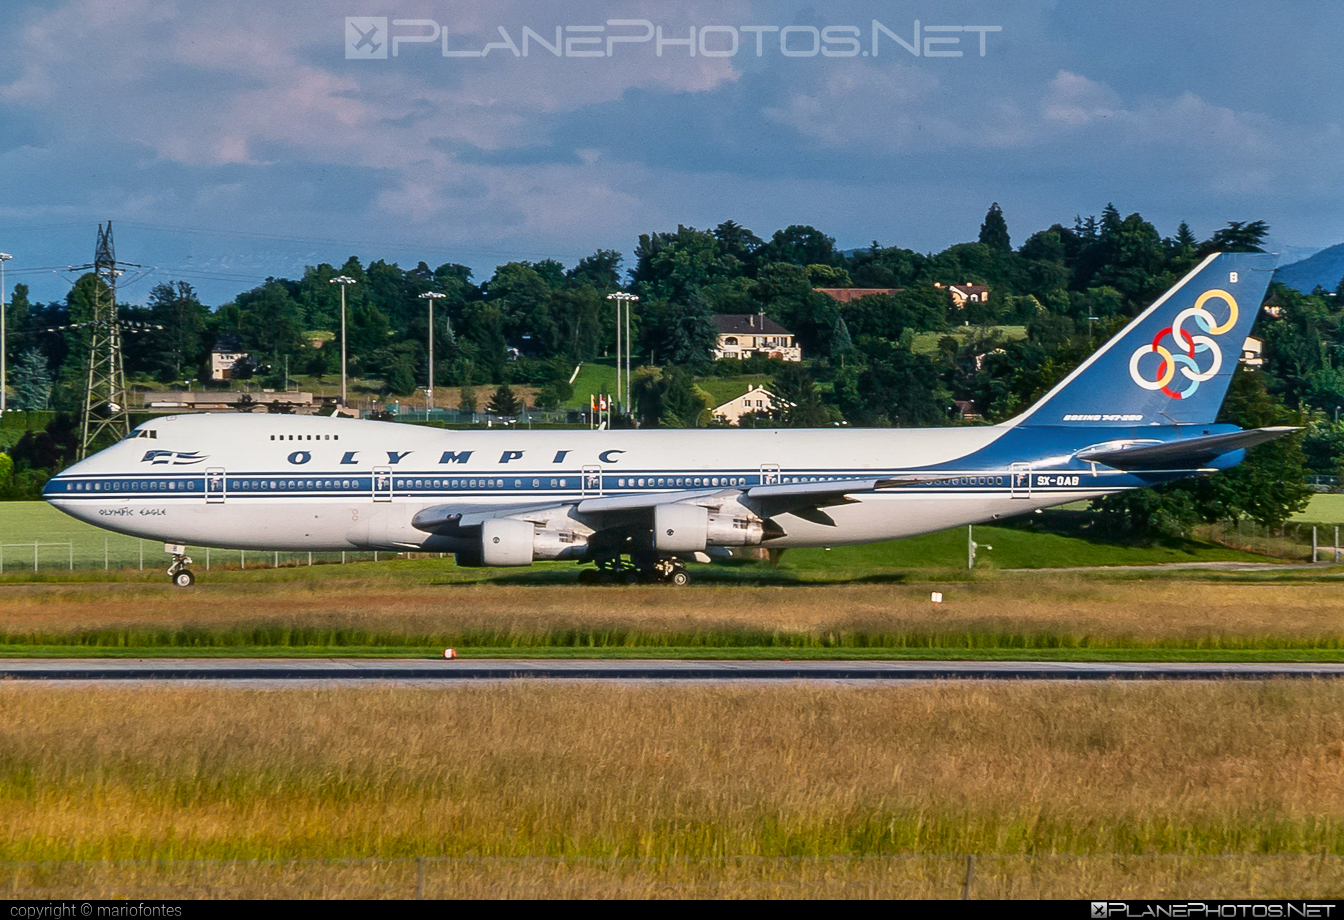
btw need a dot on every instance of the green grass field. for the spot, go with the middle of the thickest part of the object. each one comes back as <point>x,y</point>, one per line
<point>600,377</point>
<point>722,389</point>
<point>1323,509</point>
<point>926,343</point>
<point>64,543</point>
<point>594,378</point>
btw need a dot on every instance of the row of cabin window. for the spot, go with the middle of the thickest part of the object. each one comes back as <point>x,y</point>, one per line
<point>147,485</point>
<point>247,485</point>
<point>662,482</point>
<point>309,437</point>
<point>478,483</point>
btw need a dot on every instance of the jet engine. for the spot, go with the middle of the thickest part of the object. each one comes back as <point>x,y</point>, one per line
<point>686,528</point>
<point>509,542</point>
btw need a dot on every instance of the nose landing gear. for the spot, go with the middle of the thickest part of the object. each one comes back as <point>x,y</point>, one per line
<point>179,572</point>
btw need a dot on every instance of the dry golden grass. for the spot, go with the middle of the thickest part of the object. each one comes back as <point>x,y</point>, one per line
<point>554,789</point>
<point>1061,603</point>
<point>923,877</point>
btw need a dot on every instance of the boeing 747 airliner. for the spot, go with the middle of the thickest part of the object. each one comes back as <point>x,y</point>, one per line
<point>639,504</point>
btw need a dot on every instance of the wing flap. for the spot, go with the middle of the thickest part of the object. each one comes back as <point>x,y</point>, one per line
<point>448,520</point>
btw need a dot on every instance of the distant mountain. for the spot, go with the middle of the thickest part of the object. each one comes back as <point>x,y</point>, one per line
<point>1325,269</point>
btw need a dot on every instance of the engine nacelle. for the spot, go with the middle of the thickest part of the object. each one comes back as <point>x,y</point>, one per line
<point>685,528</point>
<point>507,541</point>
<point>679,528</point>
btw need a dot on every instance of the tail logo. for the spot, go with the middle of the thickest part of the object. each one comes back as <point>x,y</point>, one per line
<point>1184,349</point>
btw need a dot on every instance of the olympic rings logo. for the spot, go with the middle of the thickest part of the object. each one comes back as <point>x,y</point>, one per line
<point>1185,347</point>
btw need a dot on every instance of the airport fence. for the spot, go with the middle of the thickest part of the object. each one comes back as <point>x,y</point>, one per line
<point>925,876</point>
<point>1294,542</point>
<point>109,552</point>
<point>114,552</point>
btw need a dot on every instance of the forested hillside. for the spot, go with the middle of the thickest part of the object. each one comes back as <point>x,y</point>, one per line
<point>903,358</point>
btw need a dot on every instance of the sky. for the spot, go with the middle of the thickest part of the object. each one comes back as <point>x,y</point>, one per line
<point>231,141</point>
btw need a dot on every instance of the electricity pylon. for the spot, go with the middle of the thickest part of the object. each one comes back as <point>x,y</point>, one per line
<point>105,394</point>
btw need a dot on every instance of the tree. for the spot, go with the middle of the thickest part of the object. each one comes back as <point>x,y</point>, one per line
<point>737,241</point>
<point>798,244</point>
<point>798,404</point>
<point>466,400</point>
<point>690,334</point>
<point>1238,237</point>
<point>271,321</point>
<point>841,341</point>
<point>17,309</point>
<point>668,398</point>
<point>601,270</point>
<point>673,266</point>
<point>994,231</point>
<point>180,316</point>
<point>32,381</point>
<point>504,403</point>
<point>897,388</point>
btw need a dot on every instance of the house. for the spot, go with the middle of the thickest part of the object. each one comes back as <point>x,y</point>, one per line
<point>962,294</point>
<point>849,295</point>
<point>224,356</point>
<point>1253,352</point>
<point>964,409</point>
<point>757,399</point>
<point>744,335</point>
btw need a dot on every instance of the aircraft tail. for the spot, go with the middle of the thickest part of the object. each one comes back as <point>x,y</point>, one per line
<point>1172,365</point>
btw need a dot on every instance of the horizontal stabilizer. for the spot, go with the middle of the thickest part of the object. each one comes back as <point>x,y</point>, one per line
<point>1188,454</point>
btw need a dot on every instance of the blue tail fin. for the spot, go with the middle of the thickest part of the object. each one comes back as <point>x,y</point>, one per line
<point>1173,363</point>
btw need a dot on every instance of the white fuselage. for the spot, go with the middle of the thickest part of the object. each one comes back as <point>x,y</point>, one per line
<point>287,482</point>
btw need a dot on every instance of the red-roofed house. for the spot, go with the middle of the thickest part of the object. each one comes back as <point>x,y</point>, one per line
<point>848,295</point>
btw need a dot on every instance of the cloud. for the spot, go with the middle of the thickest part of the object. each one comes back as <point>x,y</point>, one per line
<point>1072,100</point>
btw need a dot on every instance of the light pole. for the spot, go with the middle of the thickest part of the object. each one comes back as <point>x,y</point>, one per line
<point>623,301</point>
<point>344,281</point>
<point>4,368</point>
<point>431,296</point>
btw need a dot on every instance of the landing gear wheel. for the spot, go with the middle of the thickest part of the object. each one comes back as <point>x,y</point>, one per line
<point>178,572</point>
<point>590,577</point>
<point>681,578</point>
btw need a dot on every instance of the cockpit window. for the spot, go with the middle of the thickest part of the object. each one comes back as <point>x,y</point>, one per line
<point>142,433</point>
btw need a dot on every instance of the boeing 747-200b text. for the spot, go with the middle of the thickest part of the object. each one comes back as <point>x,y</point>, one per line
<point>640,504</point>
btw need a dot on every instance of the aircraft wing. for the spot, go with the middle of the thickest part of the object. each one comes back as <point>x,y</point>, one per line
<point>805,499</point>
<point>1190,453</point>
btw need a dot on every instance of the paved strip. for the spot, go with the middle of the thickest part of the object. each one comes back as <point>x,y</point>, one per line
<point>360,670</point>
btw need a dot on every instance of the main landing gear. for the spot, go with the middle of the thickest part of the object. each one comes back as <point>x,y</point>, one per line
<point>178,571</point>
<point>616,571</point>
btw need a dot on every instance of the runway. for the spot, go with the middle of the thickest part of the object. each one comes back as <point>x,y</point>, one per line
<point>435,671</point>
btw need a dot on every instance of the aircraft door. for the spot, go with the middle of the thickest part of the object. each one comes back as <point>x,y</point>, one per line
<point>770,474</point>
<point>382,484</point>
<point>214,485</point>
<point>592,480</point>
<point>1020,474</point>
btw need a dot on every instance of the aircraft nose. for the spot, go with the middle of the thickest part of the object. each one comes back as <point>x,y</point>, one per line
<point>57,486</point>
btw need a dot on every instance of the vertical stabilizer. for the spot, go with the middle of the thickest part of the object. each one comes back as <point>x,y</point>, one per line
<point>1172,365</point>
